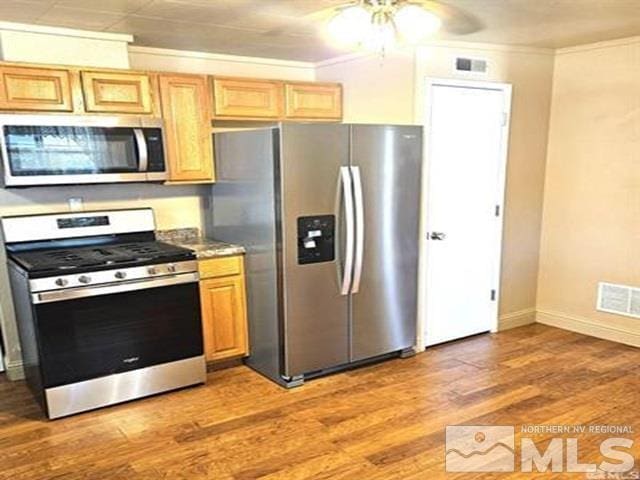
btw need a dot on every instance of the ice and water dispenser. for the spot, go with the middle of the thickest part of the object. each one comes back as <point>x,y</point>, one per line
<point>316,237</point>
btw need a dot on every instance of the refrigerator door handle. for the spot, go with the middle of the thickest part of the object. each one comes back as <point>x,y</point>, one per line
<point>347,197</point>
<point>359,241</point>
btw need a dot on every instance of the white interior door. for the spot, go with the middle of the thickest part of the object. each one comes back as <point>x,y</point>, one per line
<point>467,136</point>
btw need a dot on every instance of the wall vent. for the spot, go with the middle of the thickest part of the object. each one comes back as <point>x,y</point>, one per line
<point>471,65</point>
<point>619,299</point>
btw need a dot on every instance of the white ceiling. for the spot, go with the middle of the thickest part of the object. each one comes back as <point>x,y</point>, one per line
<point>272,28</point>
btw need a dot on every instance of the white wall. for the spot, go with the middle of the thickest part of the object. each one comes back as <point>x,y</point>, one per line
<point>375,89</point>
<point>591,223</point>
<point>391,90</point>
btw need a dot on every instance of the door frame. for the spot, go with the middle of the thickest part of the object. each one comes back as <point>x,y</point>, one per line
<point>506,89</point>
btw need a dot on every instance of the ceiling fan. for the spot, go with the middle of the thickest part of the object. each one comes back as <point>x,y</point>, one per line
<point>380,24</point>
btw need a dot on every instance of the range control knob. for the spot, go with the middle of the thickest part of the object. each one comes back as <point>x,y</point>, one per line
<point>62,282</point>
<point>84,279</point>
<point>152,270</point>
<point>171,268</point>
<point>121,275</point>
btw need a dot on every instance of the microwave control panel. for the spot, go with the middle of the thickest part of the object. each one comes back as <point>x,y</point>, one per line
<point>316,239</point>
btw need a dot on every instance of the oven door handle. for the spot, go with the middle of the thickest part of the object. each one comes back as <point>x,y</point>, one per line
<point>82,292</point>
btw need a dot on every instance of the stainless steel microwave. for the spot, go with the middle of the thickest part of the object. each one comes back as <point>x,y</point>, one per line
<point>73,149</point>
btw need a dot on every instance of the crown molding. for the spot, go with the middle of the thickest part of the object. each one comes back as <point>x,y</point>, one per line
<point>65,32</point>
<point>452,45</point>
<point>348,57</point>
<point>619,42</point>
<point>493,47</point>
<point>167,52</point>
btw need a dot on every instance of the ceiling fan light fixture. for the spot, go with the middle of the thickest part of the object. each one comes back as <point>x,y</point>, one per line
<point>415,23</point>
<point>350,26</point>
<point>379,25</point>
<point>380,37</point>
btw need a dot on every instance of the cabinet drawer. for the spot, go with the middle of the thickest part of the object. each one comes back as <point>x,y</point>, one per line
<point>220,267</point>
<point>313,101</point>
<point>40,89</point>
<point>114,92</point>
<point>247,98</point>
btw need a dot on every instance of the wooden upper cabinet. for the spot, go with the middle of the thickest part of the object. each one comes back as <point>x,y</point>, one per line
<point>117,92</point>
<point>246,98</point>
<point>44,89</point>
<point>313,100</point>
<point>187,114</point>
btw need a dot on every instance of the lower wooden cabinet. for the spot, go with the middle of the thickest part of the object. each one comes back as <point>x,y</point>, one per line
<point>224,313</point>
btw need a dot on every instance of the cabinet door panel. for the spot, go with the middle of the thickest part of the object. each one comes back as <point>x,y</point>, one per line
<point>40,89</point>
<point>186,111</point>
<point>313,101</point>
<point>224,319</point>
<point>114,92</point>
<point>246,98</point>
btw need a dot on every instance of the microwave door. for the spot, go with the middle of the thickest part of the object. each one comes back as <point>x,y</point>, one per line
<point>49,154</point>
<point>152,154</point>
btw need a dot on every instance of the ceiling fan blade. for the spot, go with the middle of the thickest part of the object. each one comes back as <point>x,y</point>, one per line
<point>454,20</point>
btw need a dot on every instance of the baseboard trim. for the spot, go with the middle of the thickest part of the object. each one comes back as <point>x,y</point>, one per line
<point>14,370</point>
<point>517,319</point>
<point>587,327</point>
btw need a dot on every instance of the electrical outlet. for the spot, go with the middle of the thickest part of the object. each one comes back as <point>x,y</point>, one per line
<point>75,204</point>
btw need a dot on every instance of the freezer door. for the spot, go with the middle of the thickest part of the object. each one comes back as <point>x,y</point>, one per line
<point>388,161</point>
<point>316,324</point>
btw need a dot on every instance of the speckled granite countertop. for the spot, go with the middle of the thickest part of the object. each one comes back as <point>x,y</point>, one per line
<point>204,247</point>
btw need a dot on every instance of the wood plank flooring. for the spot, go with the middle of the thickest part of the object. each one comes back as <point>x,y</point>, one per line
<point>382,422</point>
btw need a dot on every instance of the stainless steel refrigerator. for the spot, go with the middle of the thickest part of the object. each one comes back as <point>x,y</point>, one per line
<point>329,216</point>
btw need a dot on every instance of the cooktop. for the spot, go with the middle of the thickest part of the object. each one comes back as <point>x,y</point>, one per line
<point>42,262</point>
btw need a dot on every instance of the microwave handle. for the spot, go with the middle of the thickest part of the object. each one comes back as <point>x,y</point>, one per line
<point>143,152</point>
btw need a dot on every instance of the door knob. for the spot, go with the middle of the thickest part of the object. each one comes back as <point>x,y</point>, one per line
<point>437,236</point>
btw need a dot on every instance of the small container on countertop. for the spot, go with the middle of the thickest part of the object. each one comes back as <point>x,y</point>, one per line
<point>203,247</point>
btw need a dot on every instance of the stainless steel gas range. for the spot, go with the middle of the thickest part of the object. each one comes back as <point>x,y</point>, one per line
<point>105,312</point>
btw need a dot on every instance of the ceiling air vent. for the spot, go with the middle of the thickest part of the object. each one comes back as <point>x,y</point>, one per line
<point>471,65</point>
<point>619,299</point>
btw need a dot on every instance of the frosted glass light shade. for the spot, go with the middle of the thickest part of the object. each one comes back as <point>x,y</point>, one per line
<point>350,27</point>
<point>414,23</point>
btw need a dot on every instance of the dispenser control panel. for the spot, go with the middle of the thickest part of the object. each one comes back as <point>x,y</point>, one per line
<point>316,239</point>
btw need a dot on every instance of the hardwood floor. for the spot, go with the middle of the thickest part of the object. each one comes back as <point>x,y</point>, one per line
<point>385,421</point>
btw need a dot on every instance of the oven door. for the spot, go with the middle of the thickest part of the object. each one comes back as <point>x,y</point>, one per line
<point>63,150</point>
<point>90,332</point>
